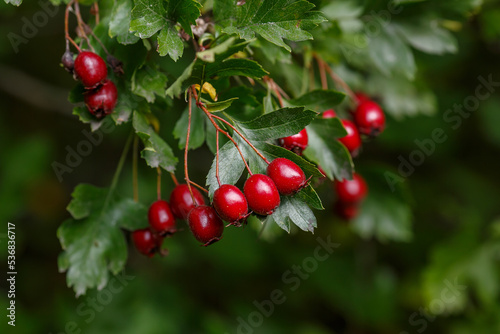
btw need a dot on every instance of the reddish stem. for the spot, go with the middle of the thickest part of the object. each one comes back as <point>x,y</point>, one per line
<point>174,179</point>
<point>158,183</point>
<point>66,29</point>
<point>243,137</point>
<point>217,157</point>
<point>322,73</point>
<point>186,174</point>
<point>95,11</point>
<point>81,25</point>
<point>338,80</point>
<point>198,186</point>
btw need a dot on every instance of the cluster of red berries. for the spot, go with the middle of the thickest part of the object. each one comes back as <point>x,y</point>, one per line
<point>367,119</point>
<point>101,93</point>
<point>261,195</point>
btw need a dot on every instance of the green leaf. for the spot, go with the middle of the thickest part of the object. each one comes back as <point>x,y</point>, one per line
<point>150,17</point>
<point>309,195</point>
<point>427,36</point>
<point>86,117</point>
<point>236,66</point>
<point>209,55</point>
<point>231,167</point>
<point>169,43</point>
<point>274,20</point>
<point>319,99</point>
<point>197,135</point>
<point>280,123</point>
<point>185,12</point>
<point>218,106</point>
<point>294,210</point>
<point>177,87</point>
<point>147,82</point>
<point>156,152</point>
<point>14,2</point>
<point>390,54</point>
<point>92,241</point>
<point>119,24</point>
<point>325,150</point>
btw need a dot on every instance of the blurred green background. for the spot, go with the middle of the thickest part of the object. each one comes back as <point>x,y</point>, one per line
<point>364,286</point>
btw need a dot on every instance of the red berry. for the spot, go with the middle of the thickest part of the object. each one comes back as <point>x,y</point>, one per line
<point>181,201</point>
<point>369,118</point>
<point>361,97</point>
<point>206,226</point>
<point>296,143</point>
<point>146,241</point>
<point>286,175</point>
<point>102,100</point>
<point>161,219</point>
<point>330,113</point>
<point>90,68</point>
<point>261,193</point>
<point>351,191</point>
<point>230,203</point>
<point>352,140</point>
<point>347,211</point>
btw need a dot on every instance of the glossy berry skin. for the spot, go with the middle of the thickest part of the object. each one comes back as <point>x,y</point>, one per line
<point>369,118</point>
<point>230,204</point>
<point>181,201</point>
<point>330,113</point>
<point>161,219</point>
<point>352,141</point>
<point>361,97</point>
<point>286,175</point>
<point>296,143</point>
<point>90,69</point>
<point>261,193</point>
<point>146,241</point>
<point>102,100</point>
<point>205,224</point>
<point>347,211</point>
<point>351,191</point>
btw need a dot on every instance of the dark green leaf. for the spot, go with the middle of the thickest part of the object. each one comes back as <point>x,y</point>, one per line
<point>177,87</point>
<point>319,99</point>
<point>148,17</point>
<point>147,82</point>
<point>185,12</point>
<point>294,210</point>
<point>156,151</point>
<point>169,43</point>
<point>86,117</point>
<point>326,150</point>
<point>120,22</point>
<point>280,123</point>
<point>218,106</point>
<point>92,241</point>
<point>197,135</point>
<point>235,66</point>
<point>309,195</point>
<point>274,20</point>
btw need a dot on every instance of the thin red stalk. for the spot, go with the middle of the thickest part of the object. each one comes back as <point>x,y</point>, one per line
<point>174,179</point>
<point>322,73</point>
<point>81,25</point>
<point>66,29</point>
<point>198,186</point>
<point>186,174</point>
<point>96,12</point>
<point>158,183</point>
<point>338,80</point>
<point>217,157</point>
<point>243,137</point>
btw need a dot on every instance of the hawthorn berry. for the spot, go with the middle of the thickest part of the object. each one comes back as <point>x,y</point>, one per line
<point>146,241</point>
<point>90,68</point>
<point>161,219</point>
<point>205,224</point>
<point>369,118</point>
<point>296,143</point>
<point>181,201</point>
<point>230,204</point>
<point>347,211</point>
<point>352,141</point>
<point>351,191</point>
<point>330,113</point>
<point>286,175</point>
<point>361,97</point>
<point>261,193</point>
<point>102,100</point>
